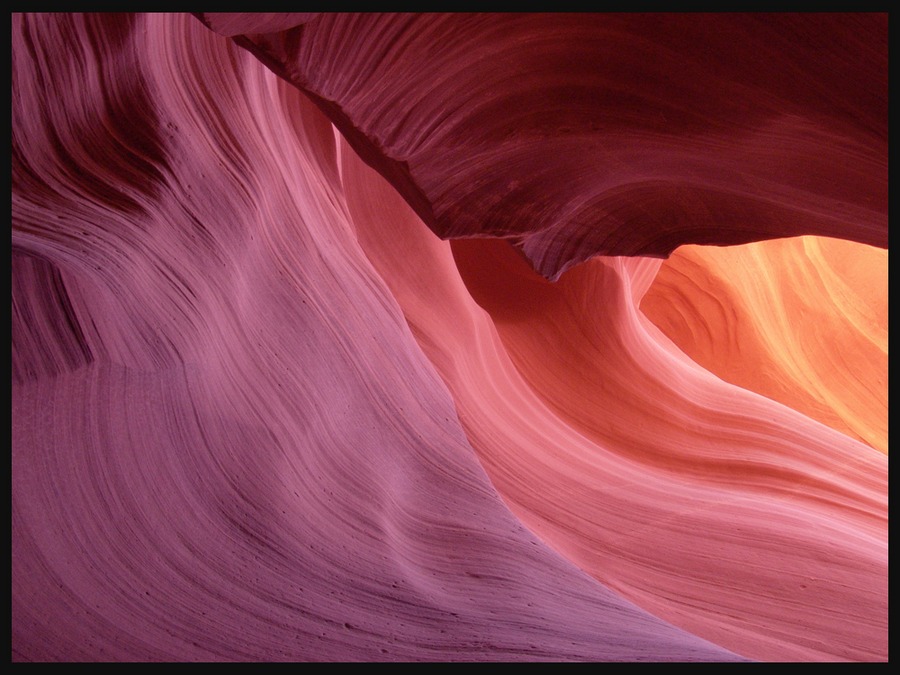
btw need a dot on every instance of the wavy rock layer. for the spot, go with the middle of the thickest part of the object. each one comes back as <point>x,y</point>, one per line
<point>261,412</point>
<point>226,443</point>
<point>724,512</point>
<point>619,134</point>
<point>802,321</point>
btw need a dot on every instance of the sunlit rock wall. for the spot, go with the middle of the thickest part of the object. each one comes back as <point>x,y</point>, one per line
<point>261,411</point>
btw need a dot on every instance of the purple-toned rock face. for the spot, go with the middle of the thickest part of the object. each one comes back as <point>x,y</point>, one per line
<point>261,411</point>
<point>620,134</point>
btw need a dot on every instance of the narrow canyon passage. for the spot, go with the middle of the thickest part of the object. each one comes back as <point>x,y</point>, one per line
<point>364,337</point>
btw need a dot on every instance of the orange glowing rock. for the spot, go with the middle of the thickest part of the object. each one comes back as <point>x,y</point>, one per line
<point>802,321</point>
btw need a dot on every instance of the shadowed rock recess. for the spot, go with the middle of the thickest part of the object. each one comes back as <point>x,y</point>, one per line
<point>364,337</point>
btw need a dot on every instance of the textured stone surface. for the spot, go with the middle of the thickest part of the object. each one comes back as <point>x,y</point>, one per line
<point>620,134</point>
<point>261,412</point>
<point>803,321</point>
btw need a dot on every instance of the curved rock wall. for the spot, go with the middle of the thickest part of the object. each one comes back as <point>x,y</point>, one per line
<point>261,412</point>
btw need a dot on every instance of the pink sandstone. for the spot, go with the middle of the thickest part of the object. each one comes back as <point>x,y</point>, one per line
<point>262,412</point>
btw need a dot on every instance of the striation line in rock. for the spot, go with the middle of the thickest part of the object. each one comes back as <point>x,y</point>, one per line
<point>619,134</point>
<point>226,444</point>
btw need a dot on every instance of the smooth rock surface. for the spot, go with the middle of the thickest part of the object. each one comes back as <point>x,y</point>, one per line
<point>262,412</point>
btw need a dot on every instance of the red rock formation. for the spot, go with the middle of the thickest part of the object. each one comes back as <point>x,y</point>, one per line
<point>621,134</point>
<point>656,477</point>
<point>226,444</point>
<point>261,412</point>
